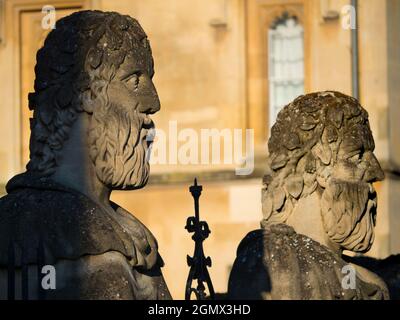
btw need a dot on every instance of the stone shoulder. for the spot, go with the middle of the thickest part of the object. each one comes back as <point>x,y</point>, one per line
<point>70,226</point>
<point>277,263</point>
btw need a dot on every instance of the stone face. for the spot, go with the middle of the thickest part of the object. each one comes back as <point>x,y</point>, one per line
<point>93,97</point>
<point>318,200</point>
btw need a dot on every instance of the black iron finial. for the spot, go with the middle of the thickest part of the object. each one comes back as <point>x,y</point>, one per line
<point>198,263</point>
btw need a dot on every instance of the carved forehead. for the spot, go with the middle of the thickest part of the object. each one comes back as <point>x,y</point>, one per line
<point>355,139</point>
<point>138,60</point>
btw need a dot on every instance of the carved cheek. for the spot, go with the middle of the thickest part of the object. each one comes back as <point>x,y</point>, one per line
<point>346,170</point>
<point>120,95</point>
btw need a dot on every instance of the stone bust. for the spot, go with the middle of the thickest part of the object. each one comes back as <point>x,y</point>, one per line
<point>91,115</point>
<point>318,199</point>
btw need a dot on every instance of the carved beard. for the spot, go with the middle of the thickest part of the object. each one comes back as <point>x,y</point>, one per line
<point>348,214</point>
<point>118,148</point>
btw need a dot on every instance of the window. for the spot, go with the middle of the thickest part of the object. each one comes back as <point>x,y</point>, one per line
<point>285,63</point>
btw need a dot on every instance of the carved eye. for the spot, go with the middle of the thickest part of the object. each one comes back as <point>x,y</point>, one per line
<point>133,80</point>
<point>356,158</point>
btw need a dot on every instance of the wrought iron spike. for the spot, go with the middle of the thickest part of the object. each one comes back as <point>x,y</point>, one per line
<point>198,263</point>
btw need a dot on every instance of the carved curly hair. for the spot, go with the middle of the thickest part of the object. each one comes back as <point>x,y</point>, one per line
<point>80,56</point>
<point>305,139</point>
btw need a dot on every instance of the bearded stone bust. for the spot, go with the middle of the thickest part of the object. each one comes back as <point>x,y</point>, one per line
<point>91,115</point>
<point>318,200</point>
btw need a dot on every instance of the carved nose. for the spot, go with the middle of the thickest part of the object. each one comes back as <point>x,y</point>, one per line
<point>150,103</point>
<point>374,172</point>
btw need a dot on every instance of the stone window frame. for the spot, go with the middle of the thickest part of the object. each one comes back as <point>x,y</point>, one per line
<point>260,15</point>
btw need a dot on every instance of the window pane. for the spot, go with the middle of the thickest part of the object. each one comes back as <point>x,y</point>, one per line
<point>285,64</point>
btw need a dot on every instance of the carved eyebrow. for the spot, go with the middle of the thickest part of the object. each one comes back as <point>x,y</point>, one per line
<point>130,74</point>
<point>350,149</point>
<point>353,152</point>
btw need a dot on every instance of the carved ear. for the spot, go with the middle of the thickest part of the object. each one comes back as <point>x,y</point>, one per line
<point>88,101</point>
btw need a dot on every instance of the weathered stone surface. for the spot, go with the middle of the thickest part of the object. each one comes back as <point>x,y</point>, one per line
<point>93,97</point>
<point>278,263</point>
<point>319,181</point>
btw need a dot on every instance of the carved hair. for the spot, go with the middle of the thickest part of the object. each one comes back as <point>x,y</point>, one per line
<point>304,145</point>
<point>79,58</point>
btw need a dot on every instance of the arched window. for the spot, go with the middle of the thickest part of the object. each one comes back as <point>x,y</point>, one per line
<point>285,63</point>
